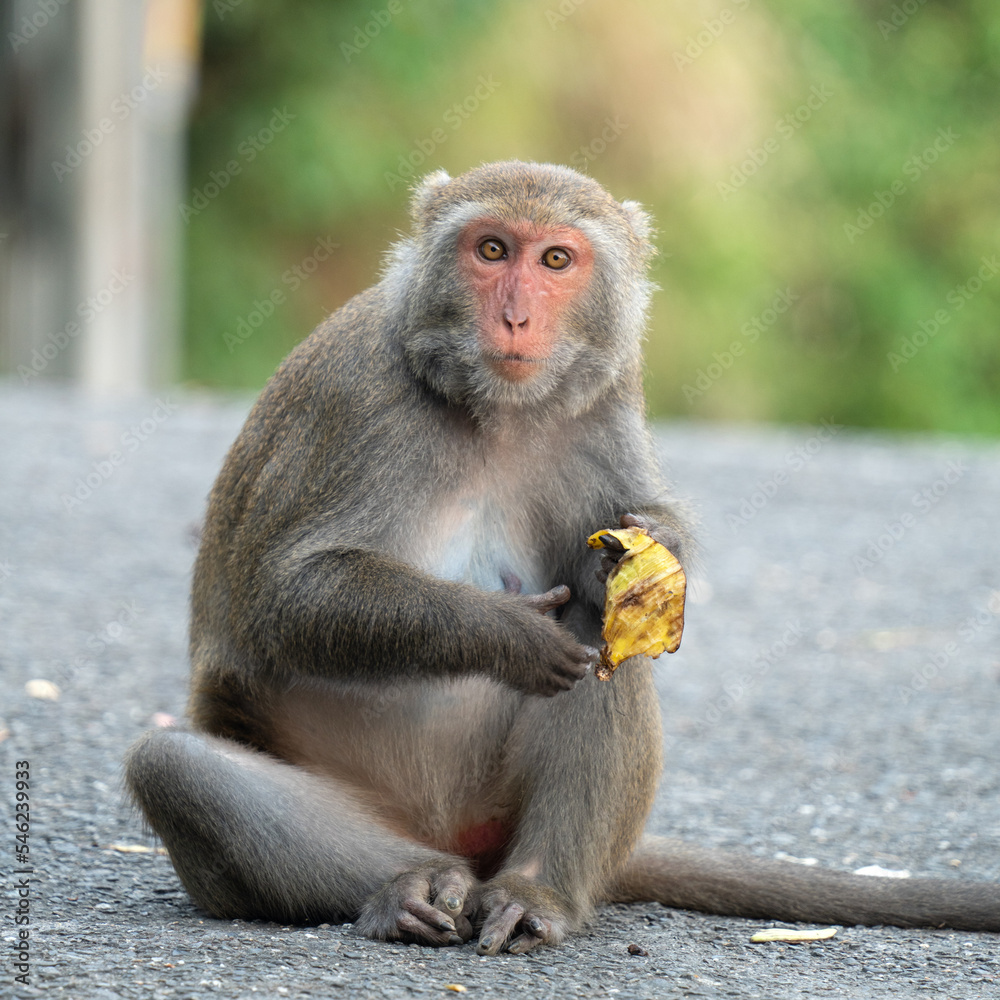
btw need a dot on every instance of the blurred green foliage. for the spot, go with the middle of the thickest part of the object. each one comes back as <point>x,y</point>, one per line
<point>825,179</point>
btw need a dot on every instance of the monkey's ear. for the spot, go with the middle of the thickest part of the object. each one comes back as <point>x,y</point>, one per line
<point>424,193</point>
<point>642,226</point>
<point>639,217</point>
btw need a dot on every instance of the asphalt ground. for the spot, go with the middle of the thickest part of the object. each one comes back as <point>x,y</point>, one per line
<point>836,697</point>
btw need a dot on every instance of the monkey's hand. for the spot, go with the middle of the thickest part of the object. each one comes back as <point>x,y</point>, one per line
<point>614,550</point>
<point>557,660</point>
<point>520,914</point>
<point>431,904</point>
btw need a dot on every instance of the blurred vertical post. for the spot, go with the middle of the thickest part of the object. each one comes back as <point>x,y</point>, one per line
<point>93,102</point>
<point>38,116</point>
<point>137,73</point>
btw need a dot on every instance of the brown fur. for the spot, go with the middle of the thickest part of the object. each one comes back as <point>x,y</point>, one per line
<point>372,689</point>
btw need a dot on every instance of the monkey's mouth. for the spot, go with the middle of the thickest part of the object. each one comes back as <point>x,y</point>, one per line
<point>515,367</point>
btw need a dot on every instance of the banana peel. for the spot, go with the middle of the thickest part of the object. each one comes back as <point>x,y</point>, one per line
<point>643,600</point>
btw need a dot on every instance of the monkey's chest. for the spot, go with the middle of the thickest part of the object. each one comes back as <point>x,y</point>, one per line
<point>483,539</point>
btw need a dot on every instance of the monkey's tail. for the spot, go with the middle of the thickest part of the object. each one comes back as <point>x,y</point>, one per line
<point>691,878</point>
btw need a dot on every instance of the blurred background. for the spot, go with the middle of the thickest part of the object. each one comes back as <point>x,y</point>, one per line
<point>187,189</point>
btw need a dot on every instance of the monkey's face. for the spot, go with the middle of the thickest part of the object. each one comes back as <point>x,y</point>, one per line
<point>523,287</point>
<point>524,278</point>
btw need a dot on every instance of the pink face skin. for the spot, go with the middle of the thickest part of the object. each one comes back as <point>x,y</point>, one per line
<point>521,297</point>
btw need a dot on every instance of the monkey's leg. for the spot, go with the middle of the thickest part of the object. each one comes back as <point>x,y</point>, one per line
<point>586,764</point>
<point>255,837</point>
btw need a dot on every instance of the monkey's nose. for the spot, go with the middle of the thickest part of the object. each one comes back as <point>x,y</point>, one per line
<point>517,321</point>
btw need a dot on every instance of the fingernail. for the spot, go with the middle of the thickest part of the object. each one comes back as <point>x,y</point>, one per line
<point>446,924</point>
<point>612,544</point>
<point>454,939</point>
<point>453,903</point>
<point>535,924</point>
<point>486,943</point>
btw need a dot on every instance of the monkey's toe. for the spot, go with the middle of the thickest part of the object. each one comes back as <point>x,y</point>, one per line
<point>520,915</point>
<point>402,909</point>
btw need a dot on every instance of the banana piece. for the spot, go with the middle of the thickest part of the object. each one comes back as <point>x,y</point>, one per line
<point>643,602</point>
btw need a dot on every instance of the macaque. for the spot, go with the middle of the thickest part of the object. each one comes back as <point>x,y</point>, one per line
<point>394,720</point>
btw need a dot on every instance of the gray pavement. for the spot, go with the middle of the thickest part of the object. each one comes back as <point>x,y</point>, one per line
<point>837,697</point>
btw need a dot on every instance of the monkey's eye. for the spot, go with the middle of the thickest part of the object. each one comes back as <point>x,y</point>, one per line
<point>492,250</point>
<point>556,258</point>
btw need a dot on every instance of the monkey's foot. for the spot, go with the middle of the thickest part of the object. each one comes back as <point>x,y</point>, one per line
<point>430,904</point>
<point>520,914</point>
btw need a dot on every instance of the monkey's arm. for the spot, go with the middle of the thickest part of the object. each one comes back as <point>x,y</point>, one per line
<point>627,466</point>
<point>360,614</point>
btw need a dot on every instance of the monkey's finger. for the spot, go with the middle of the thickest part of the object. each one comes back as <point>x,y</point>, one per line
<point>578,661</point>
<point>573,667</point>
<point>429,914</point>
<point>550,599</point>
<point>452,894</point>
<point>498,928</point>
<point>535,930</point>
<point>609,560</point>
<point>464,928</point>
<point>428,923</point>
<point>658,532</point>
<point>450,900</point>
<point>608,563</point>
<point>583,658</point>
<point>666,536</point>
<point>612,544</point>
<point>412,926</point>
<point>523,943</point>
